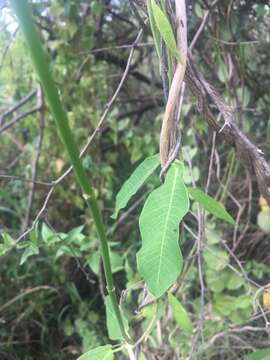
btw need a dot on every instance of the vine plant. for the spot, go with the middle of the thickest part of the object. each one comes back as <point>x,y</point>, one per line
<point>160,259</point>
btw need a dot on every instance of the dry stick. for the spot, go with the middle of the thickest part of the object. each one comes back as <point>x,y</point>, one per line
<point>236,241</point>
<point>5,51</point>
<point>249,153</point>
<point>199,238</point>
<point>21,178</point>
<point>233,330</point>
<point>204,92</point>
<point>202,25</point>
<point>26,292</point>
<point>18,118</point>
<point>168,136</point>
<point>35,161</point>
<point>211,162</point>
<point>17,105</point>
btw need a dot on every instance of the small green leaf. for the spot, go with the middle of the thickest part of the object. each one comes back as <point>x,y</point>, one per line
<point>216,281</point>
<point>213,238</point>
<point>135,181</point>
<point>216,258</point>
<point>235,282</point>
<point>224,304</point>
<point>100,353</point>
<point>75,235</point>
<point>48,236</point>
<point>180,314</point>
<point>160,259</point>
<point>111,321</point>
<point>259,355</point>
<point>243,301</point>
<point>155,32</point>
<point>29,251</point>
<point>208,203</point>
<point>142,356</point>
<point>8,243</point>
<point>165,29</point>
<point>116,261</point>
<point>93,260</point>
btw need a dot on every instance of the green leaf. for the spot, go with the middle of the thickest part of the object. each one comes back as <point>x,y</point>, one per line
<point>155,32</point>
<point>216,281</point>
<point>259,355</point>
<point>180,314</point>
<point>208,203</point>
<point>100,353</point>
<point>93,260</point>
<point>135,181</point>
<point>31,246</point>
<point>75,235</point>
<point>235,282</point>
<point>29,251</point>
<point>116,261</point>
<point>48,236</point>
<point>243,301</point>
<point>111,321</point>
<point>8,243</point>
<point>216,258</point>
<point>160,259</point>
<point>165,29</point>
<point>224,304</point>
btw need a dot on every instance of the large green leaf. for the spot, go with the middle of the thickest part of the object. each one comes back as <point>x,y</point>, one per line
<point>135,181</point>
<point>180,314</point>
<point>259,355</point>
<point>160,259</point>
<point>165,29</point>
<point>112,323</point>
<point>211,205</point>
<point>100,353</point>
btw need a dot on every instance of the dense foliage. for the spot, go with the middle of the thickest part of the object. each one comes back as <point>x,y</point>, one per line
<point>51,280</point>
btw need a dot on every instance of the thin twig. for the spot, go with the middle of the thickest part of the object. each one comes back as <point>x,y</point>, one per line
<point>35,161</point>
<point>17,105</point>
<point>211,162</point>
<point>18,118</point>
<point>202,25</point>
<point>25,293</point>
<point>85,148</point>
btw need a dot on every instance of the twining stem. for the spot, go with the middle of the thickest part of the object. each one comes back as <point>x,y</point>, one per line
<point>41,65</point>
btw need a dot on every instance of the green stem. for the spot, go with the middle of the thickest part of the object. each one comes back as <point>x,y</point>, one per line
<point>41,64</point>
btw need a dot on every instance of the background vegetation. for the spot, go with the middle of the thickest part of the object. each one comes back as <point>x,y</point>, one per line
<point>51,282</point>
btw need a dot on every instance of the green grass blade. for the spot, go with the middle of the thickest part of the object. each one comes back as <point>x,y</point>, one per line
<point>41,64</point>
